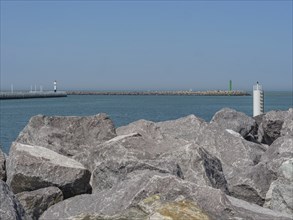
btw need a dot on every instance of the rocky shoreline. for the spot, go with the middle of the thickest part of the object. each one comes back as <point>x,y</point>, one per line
<point>173,93</point>
<point>83,168</point>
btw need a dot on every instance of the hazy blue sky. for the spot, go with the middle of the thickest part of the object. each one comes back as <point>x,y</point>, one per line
<point>147,44</point>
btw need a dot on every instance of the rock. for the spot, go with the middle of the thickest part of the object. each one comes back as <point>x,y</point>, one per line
<point>190,162</point>
<point>142,127</point>
<point>235,153</point>
<point>129,146</point>
<point>279,197</point>
<point>178,209</point>
<point>110,172</point>
<point>272,126</point>
<point>115,159</point>
<point>10,207</point>
<point>252,184</point>
<point>239,122</point>
<point>34,167</point>
<point>287,128</point>
<point>159,197</point>
<point>37,201</point>
<point>107,202</point>
<point>286,170</point>
<point>184,128</point>
<point>277,153</point>
<point>67,135</point>
<point>227,147</point>
<point>252,211</point>
<point>223,158</point>
<point>195,164</point>
<point>238,158</point>
<point>2,166</point>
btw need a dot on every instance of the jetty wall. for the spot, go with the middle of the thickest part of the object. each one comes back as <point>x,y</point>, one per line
<point>29,95</point>
<point>177,93</point>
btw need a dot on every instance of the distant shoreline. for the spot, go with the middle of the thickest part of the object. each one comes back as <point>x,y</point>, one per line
<point>177,93</point>
<point>51,94</point>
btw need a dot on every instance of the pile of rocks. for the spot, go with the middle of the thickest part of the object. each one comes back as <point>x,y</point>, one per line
<point>234,167</point>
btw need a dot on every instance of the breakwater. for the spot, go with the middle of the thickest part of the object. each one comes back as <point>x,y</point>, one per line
<point>177,93</point>
<point>29,95</point>
<point>145,168</point>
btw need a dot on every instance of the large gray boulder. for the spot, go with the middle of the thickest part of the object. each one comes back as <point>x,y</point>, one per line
<point>107,202</point>
<point>185,128</point>
<point>2,166</point>
<point>280,195</point>
<point>279,152</point>
<point>222,143</point>
<point>252,184</point>
<point>189,162</point>
<point>37,201</point>
<point>238,158</point>
<point>195,164</point>
<point>34,167</point>
<point>110,173</point>
<point>231,119</point>
<point>67,135</point>
<point>10,207</point>
<point>131,146</point>
<point>273,126</point>
<point>159,197</point>
<point>231,155</point>
<point>113,160</point>
<point>234,152</point>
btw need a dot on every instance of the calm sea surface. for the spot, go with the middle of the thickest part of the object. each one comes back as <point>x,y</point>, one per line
<point>15,114</point>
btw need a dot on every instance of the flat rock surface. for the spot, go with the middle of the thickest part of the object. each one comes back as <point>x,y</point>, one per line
<point>67,135</point>
<point>10,207</point>
<point>34,167</point>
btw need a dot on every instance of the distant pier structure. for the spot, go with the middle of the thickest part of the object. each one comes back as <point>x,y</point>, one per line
<point>258,100</point>
<point>33,94</point>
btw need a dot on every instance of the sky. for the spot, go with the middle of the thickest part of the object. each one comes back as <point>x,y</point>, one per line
<point>146,45</point>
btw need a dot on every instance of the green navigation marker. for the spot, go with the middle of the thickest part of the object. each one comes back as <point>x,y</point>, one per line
<point>230,85</point>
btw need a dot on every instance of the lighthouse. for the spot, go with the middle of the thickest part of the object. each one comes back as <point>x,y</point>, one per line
<point>55,86</point>
<point>258,100</point>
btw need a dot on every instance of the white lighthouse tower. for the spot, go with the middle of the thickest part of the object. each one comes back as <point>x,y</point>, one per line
<point>258,100</point>
<point>55,86</point>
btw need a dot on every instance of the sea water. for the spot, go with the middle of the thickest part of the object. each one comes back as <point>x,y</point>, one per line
<point>15,114</point>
